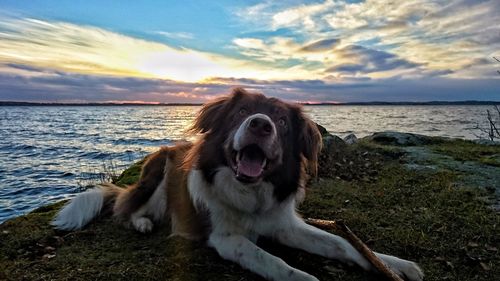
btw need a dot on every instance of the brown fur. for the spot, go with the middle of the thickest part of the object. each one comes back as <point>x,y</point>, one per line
<point>138,194</point>
<point>310,142</point>
<point>152,174</point>
<point>188,221</point>
<point>300,142</point>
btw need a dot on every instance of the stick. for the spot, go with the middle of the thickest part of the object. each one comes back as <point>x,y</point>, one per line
<point>358,244</point>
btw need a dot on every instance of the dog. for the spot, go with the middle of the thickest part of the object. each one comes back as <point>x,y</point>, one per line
<point>242,179</point>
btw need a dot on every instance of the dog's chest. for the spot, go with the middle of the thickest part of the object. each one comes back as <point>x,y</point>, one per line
<point>232,203</point>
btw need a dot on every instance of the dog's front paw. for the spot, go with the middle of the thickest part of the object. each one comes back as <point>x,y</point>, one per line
<point>142,224</point>
<point>407,269</point>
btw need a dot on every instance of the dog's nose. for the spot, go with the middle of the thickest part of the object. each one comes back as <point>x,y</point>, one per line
<point>260,127</point>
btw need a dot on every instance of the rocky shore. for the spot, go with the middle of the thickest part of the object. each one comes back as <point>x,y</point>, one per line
<point>427,199</point>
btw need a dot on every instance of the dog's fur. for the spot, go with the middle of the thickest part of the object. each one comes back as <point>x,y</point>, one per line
<point>242,179</point>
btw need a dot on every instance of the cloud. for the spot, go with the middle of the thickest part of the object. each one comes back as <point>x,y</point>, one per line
<point>439,36</point>
<point>325,57</point>
<point>275,49</point>
<point>287,51</point>
<point>301,15</point>
<point>70,47</point>
<point>95,51</point>
<point>369,61</point>
<point>57,86</point>
<point>321,45</point>
<point>250,43</point>
<point>333,50</point>
<point>365,89</point>
<point>175,35</point>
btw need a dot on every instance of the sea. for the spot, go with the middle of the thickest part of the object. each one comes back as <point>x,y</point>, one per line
<point>50,153</point>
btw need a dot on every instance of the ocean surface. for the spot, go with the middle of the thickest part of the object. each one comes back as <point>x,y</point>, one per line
<point>47,153</point>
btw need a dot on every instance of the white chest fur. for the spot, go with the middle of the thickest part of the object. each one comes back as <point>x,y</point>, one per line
<point>248,209</point>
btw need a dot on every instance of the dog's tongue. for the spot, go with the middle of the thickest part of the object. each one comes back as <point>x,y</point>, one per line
<point>250,164</point>
<point>250,167</point>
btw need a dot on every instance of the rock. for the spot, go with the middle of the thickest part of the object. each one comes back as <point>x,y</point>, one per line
<point>323,131</point>
<point>403,139</point>
<point>332,142</point>
<point>351,139</point>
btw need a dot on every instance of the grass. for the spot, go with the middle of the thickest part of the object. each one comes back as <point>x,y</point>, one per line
<point>450,232</point>
<point>418,215</point>
<point>107,173</point>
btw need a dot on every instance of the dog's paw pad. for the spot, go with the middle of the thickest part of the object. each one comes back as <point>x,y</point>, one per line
<point>142,224</point>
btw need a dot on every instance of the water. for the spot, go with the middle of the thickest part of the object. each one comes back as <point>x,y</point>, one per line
<point>47,152</point>
<point>447,121</point>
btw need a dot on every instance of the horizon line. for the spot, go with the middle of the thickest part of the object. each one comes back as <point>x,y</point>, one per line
<point>435,102</point>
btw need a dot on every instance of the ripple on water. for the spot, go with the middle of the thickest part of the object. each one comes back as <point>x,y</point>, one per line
<point>142,141</point>
<point>14,147</point>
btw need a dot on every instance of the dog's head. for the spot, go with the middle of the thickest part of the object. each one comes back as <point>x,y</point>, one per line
<point>259,138</point>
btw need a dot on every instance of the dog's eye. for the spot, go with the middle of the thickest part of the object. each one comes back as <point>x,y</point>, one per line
<point>282,122</point>
<point>243,111</point>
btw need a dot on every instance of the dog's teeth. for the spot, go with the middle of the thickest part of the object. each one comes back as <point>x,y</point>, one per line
<point>238,156</point>
<point>264,163</point>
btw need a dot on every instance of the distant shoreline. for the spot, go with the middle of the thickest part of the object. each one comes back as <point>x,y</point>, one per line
<point>19,103</point>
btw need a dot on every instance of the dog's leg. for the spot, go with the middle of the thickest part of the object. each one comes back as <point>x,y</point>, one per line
<point>145,202</point>
<point>313,240</point>
<point>140,222</point>
<point>239,249</point>
<point>154,209</point>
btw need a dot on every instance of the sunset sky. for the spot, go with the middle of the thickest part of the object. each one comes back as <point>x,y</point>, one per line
<point>191,51</point>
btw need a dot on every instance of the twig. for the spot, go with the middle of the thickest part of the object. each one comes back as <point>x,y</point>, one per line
<point>494,126</point>
<point>358,244</point>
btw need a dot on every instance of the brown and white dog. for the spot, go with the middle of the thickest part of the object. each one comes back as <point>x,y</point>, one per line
<point>242,179</point>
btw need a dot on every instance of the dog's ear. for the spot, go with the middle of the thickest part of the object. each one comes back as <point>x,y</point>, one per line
<point>208,116</point>
<point>309,141</point>
<point>237,93</point>
<point>213,113</point>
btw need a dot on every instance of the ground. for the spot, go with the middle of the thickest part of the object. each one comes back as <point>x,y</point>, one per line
<point>430,202</point>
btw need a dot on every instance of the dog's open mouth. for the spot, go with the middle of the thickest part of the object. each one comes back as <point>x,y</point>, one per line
<point>250,163</point>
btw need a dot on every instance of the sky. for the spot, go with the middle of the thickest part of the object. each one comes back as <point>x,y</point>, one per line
<point>192,51</point>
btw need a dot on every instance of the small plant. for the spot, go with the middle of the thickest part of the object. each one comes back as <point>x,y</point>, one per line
<point>492,129</point>
<point>108,173</point>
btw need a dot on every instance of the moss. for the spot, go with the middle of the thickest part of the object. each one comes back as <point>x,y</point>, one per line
<point>462,150</point>
<point>415,214</point>
<point>491,160</point>
<point>390,151</point>
<point>130,175</point>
